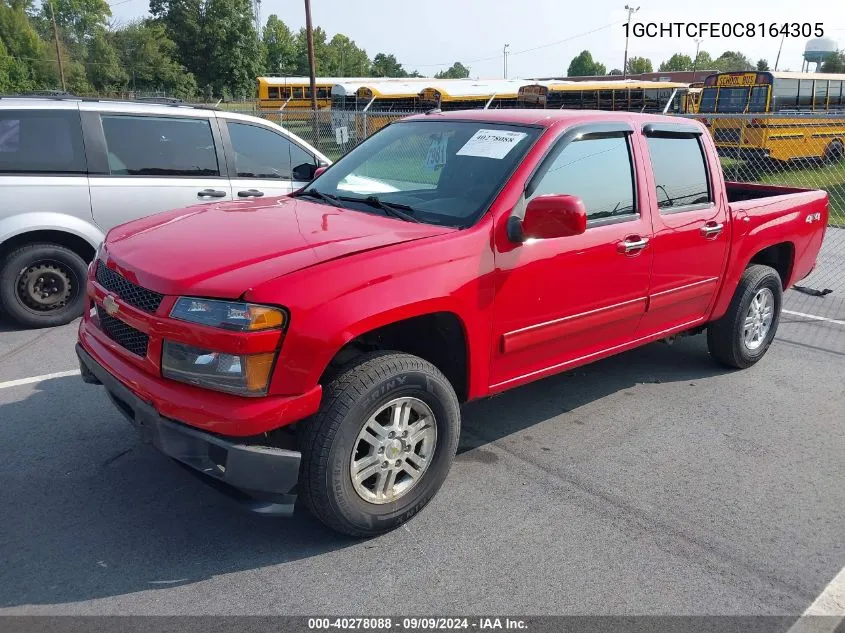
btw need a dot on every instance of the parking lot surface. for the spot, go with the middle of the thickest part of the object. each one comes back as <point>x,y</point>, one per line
<point>654,482</point>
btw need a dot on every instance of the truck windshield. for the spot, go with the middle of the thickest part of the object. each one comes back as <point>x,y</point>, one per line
<point>438,172</point>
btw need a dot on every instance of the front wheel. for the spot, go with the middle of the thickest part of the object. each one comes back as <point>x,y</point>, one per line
<point>381,445</point>
<point>743,335</point>
<point>42,285</point>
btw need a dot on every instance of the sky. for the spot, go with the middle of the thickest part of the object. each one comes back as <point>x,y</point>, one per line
<point>544,35</point>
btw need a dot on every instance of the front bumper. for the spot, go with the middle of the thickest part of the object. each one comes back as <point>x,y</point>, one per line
<point>263,478</point>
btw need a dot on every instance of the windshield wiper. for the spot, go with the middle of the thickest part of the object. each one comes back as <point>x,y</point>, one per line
<point>313,193</point>
<point>393,209</point>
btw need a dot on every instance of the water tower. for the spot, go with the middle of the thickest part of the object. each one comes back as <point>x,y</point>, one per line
<point>818,50</point>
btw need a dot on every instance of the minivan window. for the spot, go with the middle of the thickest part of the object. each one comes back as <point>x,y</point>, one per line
<point>263,153</point>
<point>159,146</point>
<point>46,142</point>
<point>596,170</point>
<point>680,173</point>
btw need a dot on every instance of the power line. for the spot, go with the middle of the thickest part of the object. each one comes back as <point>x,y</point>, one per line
<point>525,50</point>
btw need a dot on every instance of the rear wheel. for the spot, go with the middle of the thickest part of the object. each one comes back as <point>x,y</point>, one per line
<point>743,335</point>
<point>381,445</point>
<point>835,152</point>
<point>42,285</point>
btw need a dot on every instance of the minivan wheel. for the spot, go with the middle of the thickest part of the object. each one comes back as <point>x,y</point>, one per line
<point>42,285</point>
<point>743,335</point>
<point>381,444</point>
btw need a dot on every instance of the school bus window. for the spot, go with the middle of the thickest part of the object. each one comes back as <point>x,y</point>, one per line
<point>323,93</point>
<point>272,92</point>
<point>652,100</point>
<point>836,93</point>
<point>784,94</point>
<point>297,93</point>
<point>284,93</point>
<point>759,94</point>
<point>605,99</point>
<point>570,100</point>
<point>805,94</point>
<point>820,102</point>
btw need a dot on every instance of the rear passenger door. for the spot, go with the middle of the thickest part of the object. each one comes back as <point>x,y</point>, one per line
<point>264,162</point>
<point>152,163</point>
<point>691,231</point>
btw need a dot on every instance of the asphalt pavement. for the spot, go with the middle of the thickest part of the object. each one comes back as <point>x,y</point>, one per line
<point>654,482</point>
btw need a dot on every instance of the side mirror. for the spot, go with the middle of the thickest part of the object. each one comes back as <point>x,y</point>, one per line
<point>304,172</point>
<point>547,217</point>
<point>320,170</point>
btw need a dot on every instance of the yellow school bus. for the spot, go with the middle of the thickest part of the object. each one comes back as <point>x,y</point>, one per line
<point>801,115</point>
<point>283,93</point>
<point>625,95</point>
<point>693,97</point>
<point>467,94</point>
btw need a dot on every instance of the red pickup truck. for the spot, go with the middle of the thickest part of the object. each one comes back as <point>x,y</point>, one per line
<point>320,344</point>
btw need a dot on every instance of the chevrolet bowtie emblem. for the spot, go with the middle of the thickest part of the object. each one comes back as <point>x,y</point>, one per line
<point>110,305</point>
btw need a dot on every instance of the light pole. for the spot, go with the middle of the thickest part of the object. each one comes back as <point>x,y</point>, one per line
<point>631,11</point>
<point>505,58</point>
<point>695,59</point>
<point>312,73</point>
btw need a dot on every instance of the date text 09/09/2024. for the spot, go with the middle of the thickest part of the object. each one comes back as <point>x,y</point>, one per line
<point>723,29</point>
<point>417,623</point>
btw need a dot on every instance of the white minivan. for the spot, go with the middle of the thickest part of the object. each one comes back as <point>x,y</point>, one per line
<point>71,169</point>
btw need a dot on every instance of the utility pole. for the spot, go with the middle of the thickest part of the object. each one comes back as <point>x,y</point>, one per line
<point>631,11</point>
<point>695,59</point>
<point>505,58</point>
<point>312,72</point>
<point>780,48</point>
<point>58,49</point>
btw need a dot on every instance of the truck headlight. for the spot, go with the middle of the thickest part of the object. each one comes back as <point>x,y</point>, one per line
<point>245,375</point>
<point>228,315</point>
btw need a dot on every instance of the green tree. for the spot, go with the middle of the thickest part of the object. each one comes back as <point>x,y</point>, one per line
<point>321,56</point>
<point>732,61</point>
<point>762,65</point>
<point>385,65</point>
<point>345,59</point>
<point>455,71</point>
<point>582,65</point>
<point>677,63</point>
<point>215,40</point>
<point>615,72</point>
<point>78,20</point>
<point>704,62</point>
<point>29,63</point>
<point>835,63</point>
<point>105,70</point>
<point>639,65</point>
<point>279,48</point>
<point>15,75</point>
<point>149,57</point>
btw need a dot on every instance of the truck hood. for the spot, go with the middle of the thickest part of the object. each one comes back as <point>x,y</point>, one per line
<point>224,250</point>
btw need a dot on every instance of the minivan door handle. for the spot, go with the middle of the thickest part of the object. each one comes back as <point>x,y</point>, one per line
<point>632,245</point>
<point>250,193</point>
<point>211,193</point>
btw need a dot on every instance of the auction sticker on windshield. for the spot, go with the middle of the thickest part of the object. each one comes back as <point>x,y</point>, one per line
<point>491,143</point>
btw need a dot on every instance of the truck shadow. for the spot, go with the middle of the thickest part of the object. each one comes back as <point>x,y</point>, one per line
<point>492,419</point>
<point>91,512</point>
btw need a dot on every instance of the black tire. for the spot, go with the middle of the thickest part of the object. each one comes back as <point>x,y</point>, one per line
<point>725,338</point>
<point>67,270</point>
<point>357,392</point>
<point>835,152</point>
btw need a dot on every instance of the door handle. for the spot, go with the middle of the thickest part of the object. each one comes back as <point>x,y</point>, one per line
<point>250,193</point>
<point>632,245</point>
<point>712,229</point>
<point>211,193</point>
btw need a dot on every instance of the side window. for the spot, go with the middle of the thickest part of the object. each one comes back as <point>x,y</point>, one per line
<point>262,153</point>
<point>41,142</point>
<point>273,92</point>
<point>680,173</point>
<point>598,171</point>
<point>159,146</point>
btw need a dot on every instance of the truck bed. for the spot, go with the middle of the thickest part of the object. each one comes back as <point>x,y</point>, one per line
<point>739,191</point>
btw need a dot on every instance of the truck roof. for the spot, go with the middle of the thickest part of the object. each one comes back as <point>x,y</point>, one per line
<point>544,118</point>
